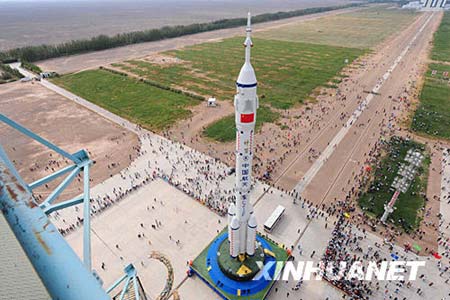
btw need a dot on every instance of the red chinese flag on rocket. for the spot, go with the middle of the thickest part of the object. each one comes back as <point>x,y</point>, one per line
<point>247,118</point>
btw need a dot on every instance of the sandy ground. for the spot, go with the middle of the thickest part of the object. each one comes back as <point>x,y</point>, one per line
<point>66,124</point>
<point>93,60</point>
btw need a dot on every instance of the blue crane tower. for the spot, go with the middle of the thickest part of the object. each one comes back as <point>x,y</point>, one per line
<point>63,274</point>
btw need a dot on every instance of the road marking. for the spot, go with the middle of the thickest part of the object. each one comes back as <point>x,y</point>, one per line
<point>329,150</point>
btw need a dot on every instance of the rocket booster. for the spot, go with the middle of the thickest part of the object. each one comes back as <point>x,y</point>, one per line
<point>242,223</point>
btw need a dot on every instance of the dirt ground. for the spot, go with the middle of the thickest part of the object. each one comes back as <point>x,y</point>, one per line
<point>93,60</point>
<point>67,125</point>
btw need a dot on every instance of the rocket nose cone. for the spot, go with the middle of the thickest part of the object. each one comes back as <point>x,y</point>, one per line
<point>252,221</point>
<point>234,223</point>
<point>247,75</point>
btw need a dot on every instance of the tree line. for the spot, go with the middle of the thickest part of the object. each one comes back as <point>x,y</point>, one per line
<point>31,67</point>
<point>102,42</point>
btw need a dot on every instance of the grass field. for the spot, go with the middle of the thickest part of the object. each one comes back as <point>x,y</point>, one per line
<point>224,130</point>
<point>151,107</point>
<point>441,49</point>
<point>408,205</point>
<point>360,29</point>
<point>287,72</point>
<point>432,117</point>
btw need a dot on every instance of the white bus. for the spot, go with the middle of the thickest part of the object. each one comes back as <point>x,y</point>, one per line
<point>274,218</point>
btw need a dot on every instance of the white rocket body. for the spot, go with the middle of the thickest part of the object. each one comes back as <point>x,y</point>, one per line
<point>242,223</point>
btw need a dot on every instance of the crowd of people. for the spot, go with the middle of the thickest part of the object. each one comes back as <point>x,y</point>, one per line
<point>201,177</point>
<point>338,249</point>
<point>444,218</point>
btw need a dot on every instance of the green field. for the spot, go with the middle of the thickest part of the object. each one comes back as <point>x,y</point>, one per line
<point>407,213</point>
<point>224,130</point>
<point>441,49</point>
<point>153,108</point>
<point>432,117</point>
<point>360,29</point>
<point>287,72</point>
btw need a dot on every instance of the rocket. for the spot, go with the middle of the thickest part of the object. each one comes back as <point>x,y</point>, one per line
<point>241,219</point>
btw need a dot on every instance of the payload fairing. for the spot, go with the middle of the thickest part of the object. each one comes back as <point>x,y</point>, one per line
<point>241,220</point>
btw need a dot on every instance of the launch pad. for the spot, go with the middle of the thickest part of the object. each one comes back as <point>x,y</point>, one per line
<point>241,268</point>
<point>211,266</point>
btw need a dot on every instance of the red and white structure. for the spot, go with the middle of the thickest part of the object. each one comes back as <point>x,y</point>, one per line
<point>434,4</point>
<point>402,182</point>
<point>241,220</point>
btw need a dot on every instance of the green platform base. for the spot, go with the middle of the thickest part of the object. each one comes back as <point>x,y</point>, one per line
<point>234,268</point>
<point>207,267</point>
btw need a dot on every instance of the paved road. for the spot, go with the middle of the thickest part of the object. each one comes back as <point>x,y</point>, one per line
<point>23,71</point>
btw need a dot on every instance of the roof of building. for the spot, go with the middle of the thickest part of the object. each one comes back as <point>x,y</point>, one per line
<point>18,278</point>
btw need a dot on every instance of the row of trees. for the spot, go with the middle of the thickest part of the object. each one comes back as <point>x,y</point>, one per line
<point>102,42</point>
<point>31,67</point>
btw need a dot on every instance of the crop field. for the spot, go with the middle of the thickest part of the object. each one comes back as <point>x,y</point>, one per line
<point>441,49</point>
<point>287,72</point>
<point>153,108</point>
<point>224,130</point>
<point>432,117</point>
<point>408,205</point>
<point>360,29</point>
